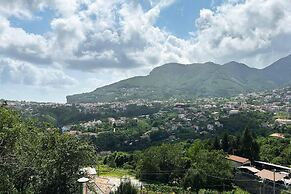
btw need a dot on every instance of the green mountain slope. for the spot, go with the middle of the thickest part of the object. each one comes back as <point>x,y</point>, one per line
<point>188,81</point>
<point>280,71</point>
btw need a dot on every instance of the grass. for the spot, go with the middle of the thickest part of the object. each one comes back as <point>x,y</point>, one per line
<point>114,172</point>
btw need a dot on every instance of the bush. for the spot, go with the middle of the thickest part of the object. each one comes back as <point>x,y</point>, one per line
<point>126,188</point>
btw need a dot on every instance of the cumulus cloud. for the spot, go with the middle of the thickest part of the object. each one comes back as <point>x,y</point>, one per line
<point>93,34</point>
<point>17,72</point>
<point>244,30</point>
<point>21,8</point>
<point>120,36</point>
<point>18,44</point>
<point>25,9</point>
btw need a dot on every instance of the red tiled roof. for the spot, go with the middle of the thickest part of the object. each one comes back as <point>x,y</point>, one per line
<point>238,159</point>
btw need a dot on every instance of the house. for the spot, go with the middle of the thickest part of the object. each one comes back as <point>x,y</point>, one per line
<point>283,121</point>
<point>270,175</point>
<point>73,133</point>
<point>215,115</point>
<point>233,112</point>
<point>99,122</point>
<point>111,120</point>
<point>270,166</point>
<point>277,135</point>
<point>181,116</point>
<point>210,127</point>
<point>249,169</point>
<point>238,161</point>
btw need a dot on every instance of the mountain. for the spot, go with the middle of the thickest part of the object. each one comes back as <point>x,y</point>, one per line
<point>175,80</point>
<point>280,71</point>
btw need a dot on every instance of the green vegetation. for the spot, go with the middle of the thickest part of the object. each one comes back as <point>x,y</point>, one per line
<point>64,115</point>
<point>177,148</point>
<point>114,172</point>
<point>162,188</point>
<point>60,116</point>
<point>188,81</point>
<point>193,167</point>
<point>275,150</point>
<point>249,148</point>
<point>253,120</point>
<point>35,160</point>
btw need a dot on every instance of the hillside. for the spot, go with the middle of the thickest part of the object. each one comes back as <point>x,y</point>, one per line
<point>175,80</point>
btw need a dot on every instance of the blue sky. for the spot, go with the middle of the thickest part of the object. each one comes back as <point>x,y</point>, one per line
<point>40,24</point>
<point>178,19</point>
<point>53,48</point>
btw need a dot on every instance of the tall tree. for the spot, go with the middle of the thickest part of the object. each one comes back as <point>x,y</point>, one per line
<point>225,142</point>
<point>249,147</point>
<point>216,144</point>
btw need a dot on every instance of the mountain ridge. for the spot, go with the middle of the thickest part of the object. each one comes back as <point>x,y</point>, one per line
<point>186,81</point>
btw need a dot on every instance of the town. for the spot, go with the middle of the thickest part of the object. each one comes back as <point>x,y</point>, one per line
<point>125,127</point>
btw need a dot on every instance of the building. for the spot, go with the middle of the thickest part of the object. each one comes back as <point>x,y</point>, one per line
<point>233,112</point>
<point>249,169</point>
<point>238,161</point>
<point>283,121</point>
<point>277,135</point>
<point>270,175</point>
<point>270,166</point>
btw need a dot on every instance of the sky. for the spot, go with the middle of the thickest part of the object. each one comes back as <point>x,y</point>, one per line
<point>53,48</point>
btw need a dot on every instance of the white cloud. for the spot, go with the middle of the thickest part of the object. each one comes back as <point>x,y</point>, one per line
<point>18,44</point>
<point>244,31</point>
<point>121,37</point>
<point>21,8</point>
<point>17,72</point>
<point>25,9</point>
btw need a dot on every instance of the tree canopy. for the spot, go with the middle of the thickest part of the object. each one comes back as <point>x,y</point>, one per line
<point>35,160</point>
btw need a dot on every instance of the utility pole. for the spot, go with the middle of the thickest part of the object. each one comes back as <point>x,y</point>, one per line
<point>261,182</point>
<point>263,187</point>
<point>274,186</point>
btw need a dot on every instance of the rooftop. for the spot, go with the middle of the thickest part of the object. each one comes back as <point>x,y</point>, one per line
<point>238,159</point>
<point>274,165</point>
<point>269,175</point>
<point>250,168</point>
<point>278,135</point>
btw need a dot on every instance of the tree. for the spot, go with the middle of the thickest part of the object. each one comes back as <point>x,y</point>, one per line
<point>194,179</point>
<point>214,166</point>
<point>275,150</point>
<point>163,163</point>
<point>225,143</point>
<point>65,156</point>
<point>210,164</point>
<point>287,155</point>
<point>34,160</point>
<point>216,144</point>
<point>195,148</point>
<point>249,146</point>
<point>237,143</point>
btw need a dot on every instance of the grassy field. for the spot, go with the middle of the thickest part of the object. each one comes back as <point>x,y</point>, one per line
<point>114,172</point>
